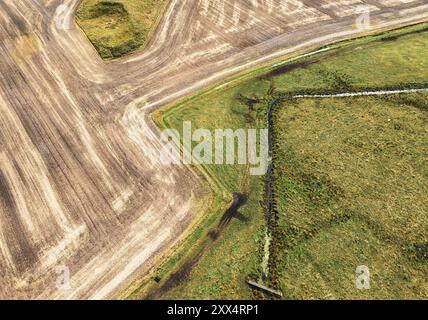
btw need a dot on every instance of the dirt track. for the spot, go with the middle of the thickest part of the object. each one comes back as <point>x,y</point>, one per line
<point>80,184</point>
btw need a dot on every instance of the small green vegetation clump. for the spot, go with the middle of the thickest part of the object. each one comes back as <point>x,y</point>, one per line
<point>118,27</point>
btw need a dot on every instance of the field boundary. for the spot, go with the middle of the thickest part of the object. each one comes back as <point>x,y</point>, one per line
<point>269,179</point>
<point>160,115</point>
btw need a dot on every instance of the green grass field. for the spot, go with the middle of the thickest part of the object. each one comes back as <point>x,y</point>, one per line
<point>351,184</point>
<point>351,175</point>
<point>118,27</point>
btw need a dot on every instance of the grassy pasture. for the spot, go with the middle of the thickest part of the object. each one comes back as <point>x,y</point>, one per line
<point>351,184</point>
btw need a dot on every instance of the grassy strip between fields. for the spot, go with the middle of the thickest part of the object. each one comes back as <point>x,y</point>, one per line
<point>119,27</point>
<point>393,59</point>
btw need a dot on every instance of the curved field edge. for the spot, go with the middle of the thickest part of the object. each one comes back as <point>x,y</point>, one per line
<point>274,70</point>
<point>119,27</point>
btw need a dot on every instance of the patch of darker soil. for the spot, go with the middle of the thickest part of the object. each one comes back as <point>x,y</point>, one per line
<point>421,251</point>
<point>106,8</point>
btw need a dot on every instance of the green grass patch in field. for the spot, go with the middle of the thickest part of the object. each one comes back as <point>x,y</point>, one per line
<point>351,180</point>
<point>226,264</point>
<point>398,63</point>
<point>118,27</point>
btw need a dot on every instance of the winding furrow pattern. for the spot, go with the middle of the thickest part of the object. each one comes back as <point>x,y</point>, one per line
<point>80,183</point>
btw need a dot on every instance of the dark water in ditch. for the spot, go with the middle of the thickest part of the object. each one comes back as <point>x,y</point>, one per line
<point>181,275</point>
<point>239,200</point>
